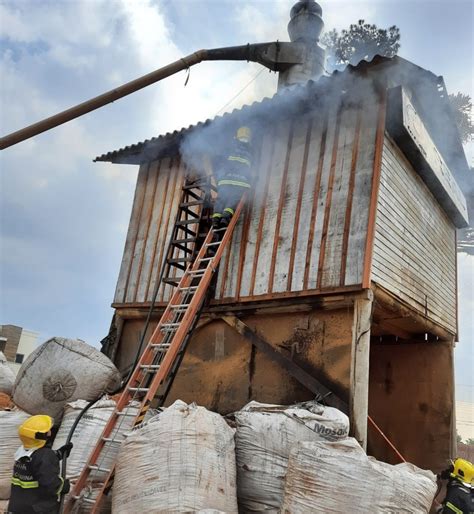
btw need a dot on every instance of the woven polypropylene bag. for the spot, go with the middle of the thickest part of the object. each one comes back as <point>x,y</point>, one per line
<point>61,371</point>
<point>9,443</point>
<point>7,377</point>
<point>182,460</point>
<point>335,477</point>
<point>264,438</point>
<point>89,430</point>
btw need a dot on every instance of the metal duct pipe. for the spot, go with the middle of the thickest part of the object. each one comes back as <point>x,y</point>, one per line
<point>275,56</point>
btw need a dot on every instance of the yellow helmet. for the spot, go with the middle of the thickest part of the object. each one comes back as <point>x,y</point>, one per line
<point>244,134</point>
<point>34,431</point>
<point>463,471</point>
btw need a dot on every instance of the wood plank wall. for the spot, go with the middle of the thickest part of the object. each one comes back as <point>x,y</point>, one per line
<point>153,213</point>
<point>414,246</point>
<point>305,229</point>
<point>305,225</point>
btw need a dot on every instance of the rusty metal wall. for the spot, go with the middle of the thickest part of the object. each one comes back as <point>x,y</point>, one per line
<point>305,226</point>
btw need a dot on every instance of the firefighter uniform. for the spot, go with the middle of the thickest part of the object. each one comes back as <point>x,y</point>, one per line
<point>36,481</point>
<point>233,179</point>
<point>460,494</point>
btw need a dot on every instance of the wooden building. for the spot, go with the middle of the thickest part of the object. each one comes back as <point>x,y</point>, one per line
<point>344,261</point>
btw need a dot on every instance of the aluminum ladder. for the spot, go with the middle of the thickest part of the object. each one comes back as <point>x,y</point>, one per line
<point>158,363</point>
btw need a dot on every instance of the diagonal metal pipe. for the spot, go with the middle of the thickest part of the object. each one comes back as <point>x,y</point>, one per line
<point>275,56</point>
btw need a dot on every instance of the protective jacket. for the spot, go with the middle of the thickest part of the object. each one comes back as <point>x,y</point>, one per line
<point>233,179</point>
<point>36,482</point>
<point>459,499</point>
<point>237,169</point>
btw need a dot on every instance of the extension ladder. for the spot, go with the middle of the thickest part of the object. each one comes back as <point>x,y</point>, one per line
<point>158,363</point>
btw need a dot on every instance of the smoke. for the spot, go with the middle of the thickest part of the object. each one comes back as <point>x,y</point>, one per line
<point>301,103</point>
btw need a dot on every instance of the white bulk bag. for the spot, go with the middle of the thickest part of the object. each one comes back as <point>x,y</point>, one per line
<point>335,477</point>
<point>10,421</point>
<point>7,377</point>
<point>182,460</point>
<point>60,371</point>
<point>89,430</point>
<point>265,435</point>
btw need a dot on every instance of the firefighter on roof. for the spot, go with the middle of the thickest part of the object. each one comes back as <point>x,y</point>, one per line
<point>233,179</point>
<point>460,493</point>
<point>36,481</point>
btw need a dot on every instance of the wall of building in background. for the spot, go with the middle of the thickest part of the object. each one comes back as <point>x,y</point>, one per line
<point>17,343</point>
<point>465,420</point>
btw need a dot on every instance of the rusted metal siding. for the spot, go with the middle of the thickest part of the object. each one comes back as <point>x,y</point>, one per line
<point>414,254</point>
<point>305,225</point>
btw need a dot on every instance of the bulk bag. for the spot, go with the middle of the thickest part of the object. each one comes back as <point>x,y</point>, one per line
<point>335,477</point>
<point>60,371</point>
<point>182,460</point>
<point>265,435</point>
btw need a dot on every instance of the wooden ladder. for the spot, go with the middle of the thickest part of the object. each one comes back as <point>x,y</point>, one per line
<point>158,363</point>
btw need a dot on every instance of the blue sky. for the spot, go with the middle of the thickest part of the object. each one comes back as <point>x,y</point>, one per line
<point>63,217</point>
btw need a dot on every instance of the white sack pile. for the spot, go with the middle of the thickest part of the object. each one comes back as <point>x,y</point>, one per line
<point>264,438</point>
<point>7,377</point>
<point>339,477</point>
<point>9,444</point>
<point>88,432</point>
<point>182,460</point>
<point>60,371</point>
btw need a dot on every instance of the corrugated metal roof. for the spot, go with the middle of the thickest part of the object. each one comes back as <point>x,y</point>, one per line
<point>398,69</point>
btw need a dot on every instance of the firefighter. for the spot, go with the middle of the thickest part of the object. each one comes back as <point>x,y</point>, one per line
<point>233,179</point>
<point>460,494</point>
<point>36,482</point>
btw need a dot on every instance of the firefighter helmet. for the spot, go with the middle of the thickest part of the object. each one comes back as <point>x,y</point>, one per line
<point>244,134</point>
<point>35,431</point>
<point>463,471</point>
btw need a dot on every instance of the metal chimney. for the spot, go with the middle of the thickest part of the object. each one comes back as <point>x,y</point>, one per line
<point>304,29</point>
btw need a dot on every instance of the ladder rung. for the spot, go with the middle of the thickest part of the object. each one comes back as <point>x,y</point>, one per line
<point>179,305</point>
<point>139,389</point>
<point>191,213</point>
<point>166,325</point>
<point>187,230</point>
<point>188,222</point>
<point>149,366</point>
<point>179,266</point>
<point>163,349</point>
<point>204,259</point>
<point>193,288</point>
<point>197,272</point>
<point>223,229</point>
<point>183,241</point>
<point>191,204</point>
<point>215,243</point>
<point>179,259</point>
<point>171,281</point>
<point>163,346</point>
<point>93,467</point>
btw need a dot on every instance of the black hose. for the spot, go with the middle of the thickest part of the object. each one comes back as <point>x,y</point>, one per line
<point>68,440</point>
